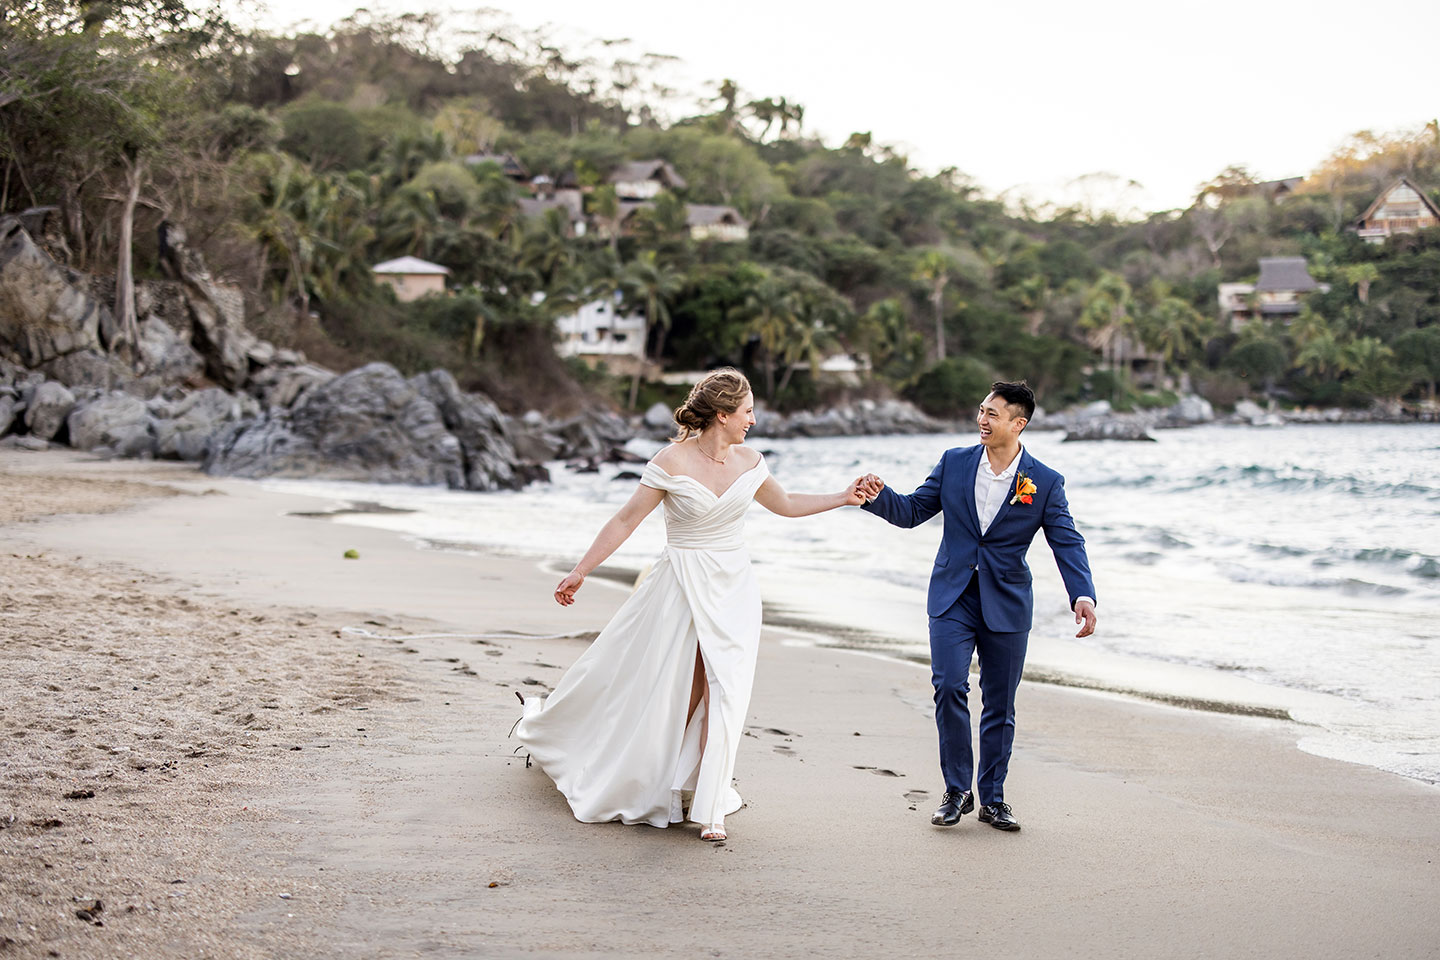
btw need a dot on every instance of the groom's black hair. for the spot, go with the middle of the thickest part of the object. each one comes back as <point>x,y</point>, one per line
<point>1016,394</point>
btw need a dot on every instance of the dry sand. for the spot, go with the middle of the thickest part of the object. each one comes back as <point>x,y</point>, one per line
<point>170,652</point>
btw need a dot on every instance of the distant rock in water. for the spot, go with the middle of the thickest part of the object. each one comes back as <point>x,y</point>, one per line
<point>1108,428</point>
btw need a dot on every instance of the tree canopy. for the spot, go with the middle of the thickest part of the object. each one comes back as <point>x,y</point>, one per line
<point>298,160</point>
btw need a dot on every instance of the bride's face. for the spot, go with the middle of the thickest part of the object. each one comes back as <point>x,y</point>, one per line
<point>734,426</point>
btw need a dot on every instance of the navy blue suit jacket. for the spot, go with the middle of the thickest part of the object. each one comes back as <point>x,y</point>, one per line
<point>997,557</point>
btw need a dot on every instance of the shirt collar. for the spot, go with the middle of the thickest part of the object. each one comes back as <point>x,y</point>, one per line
<point>1007,472</point>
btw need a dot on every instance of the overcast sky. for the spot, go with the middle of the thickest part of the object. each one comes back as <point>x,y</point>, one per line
<point>1029,97</point>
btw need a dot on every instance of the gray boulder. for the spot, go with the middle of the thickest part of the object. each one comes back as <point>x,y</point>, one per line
<point>579,439</point>
<point>165,355</point>
<point>1192,409</point>
<point>115,422</point>
<point>281,385</point>
<point>490,460</point>
<point>23,442</point>
<point>533,440</point>
<point>44,311</point>
<point>261,353</point>
<point>8,405</point>
<point>50,404</point>
<point>88,369</point>
<point>368,424</point>
<point>183,430</point>
<point>660,417</point>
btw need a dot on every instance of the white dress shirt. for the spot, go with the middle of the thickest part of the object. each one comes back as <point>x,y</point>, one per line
<point>993,489</point>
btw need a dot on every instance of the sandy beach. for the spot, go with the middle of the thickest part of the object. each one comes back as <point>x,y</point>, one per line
<point>193,737</point>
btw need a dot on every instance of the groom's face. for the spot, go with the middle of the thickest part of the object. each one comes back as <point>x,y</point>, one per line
<point>998,422</point>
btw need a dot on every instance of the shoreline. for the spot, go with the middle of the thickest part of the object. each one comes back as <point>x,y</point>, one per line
<point>840,636</point>
<point>424,834</point>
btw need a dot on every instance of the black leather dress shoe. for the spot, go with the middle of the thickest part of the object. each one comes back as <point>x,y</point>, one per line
<point>953,806</point>
<point>998,816</point>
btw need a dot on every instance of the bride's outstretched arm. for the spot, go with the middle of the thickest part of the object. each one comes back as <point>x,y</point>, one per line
<point>615,532</point>
<point>773,497</point>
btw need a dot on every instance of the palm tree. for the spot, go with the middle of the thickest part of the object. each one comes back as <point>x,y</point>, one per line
<point>767,111</point>
<point>933,269</point>
<point>1324,356</point>
<point>1107,315</point>
<point>650,285</point>
<point>1360,276</point>
<point>769,309</point>
<point>1173,329</point>
<point>819,311</point>
<point>546,247</point>
<point>605,205</point>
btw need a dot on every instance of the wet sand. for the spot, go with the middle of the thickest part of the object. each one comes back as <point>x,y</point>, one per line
<point>186,621</point>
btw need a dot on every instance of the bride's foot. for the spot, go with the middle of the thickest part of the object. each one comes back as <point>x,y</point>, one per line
<point>713,833</point>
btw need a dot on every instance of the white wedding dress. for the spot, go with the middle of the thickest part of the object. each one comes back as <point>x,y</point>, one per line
<point>614,735</point>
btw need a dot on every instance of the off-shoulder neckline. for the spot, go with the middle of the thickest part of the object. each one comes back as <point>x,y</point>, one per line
<point>701,485</point>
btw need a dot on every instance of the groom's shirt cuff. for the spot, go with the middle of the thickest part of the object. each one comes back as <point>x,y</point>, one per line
<point>1078,599</point>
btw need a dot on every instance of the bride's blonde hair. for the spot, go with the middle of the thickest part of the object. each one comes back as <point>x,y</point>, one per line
<point>719,391</point>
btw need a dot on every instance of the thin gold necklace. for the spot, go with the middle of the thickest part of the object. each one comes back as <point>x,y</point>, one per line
<point>701,448</point>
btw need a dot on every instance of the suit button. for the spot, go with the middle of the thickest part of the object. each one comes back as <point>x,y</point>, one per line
<point>974,566</point>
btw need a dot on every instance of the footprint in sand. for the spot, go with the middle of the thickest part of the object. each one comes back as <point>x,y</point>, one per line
<point>915,796</point>
<point>881,771</point>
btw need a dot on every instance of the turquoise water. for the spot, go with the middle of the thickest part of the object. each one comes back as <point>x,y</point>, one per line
<point>1295,568</point>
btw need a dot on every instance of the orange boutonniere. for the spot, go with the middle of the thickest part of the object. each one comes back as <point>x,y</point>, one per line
<point>1024,488</point>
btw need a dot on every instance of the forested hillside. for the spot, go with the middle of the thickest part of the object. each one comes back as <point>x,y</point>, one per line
<point>295,162</point>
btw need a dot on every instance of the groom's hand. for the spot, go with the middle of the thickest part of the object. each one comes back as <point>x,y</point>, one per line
<point>870,486</point>
<point>1085,610</point>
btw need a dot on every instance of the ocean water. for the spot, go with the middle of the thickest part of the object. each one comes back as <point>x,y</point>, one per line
<point>1292,569</point>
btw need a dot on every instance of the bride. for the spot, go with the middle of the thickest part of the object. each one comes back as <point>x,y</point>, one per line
<point>654,710</point>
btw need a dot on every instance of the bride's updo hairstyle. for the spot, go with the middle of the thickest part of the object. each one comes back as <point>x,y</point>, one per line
<point>719,391</point>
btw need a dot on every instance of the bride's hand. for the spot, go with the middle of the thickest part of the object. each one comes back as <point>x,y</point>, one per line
<point>565,592</point>
<point>855,493</point>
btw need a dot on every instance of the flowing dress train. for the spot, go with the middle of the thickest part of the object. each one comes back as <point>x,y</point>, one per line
<point>614,736</point>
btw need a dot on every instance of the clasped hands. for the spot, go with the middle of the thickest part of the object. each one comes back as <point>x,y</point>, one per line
<point>865,489</point>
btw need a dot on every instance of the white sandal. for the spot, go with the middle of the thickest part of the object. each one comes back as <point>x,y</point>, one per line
<point>715,833</point>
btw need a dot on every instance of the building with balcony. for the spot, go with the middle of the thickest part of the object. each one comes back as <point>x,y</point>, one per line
<point>1401,208</point>
<point>1278,293</point>
<point>600,331</point>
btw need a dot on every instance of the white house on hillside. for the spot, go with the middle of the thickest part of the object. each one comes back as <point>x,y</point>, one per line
<point>600,331</point>
<point>644,179</point>
<point>411,277</point>
<point>707,221</point>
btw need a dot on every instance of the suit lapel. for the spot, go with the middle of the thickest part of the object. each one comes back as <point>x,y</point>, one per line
<point>972,465</point>
<point>1024,465</point>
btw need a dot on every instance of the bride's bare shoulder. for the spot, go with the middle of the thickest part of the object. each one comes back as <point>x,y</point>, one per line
<point>672,456</point>
<point>752,455</point>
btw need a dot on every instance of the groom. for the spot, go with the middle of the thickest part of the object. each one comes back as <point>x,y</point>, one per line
<point>995,497</point>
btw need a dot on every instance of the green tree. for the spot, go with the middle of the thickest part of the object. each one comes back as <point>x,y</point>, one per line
<point>1361,276</point>
<point>769,307</point>
<point>1175,330</point>
<point>1108,316</point>
<point>933,269</point>
<point>651,286</point>
<point>1419,351</point>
